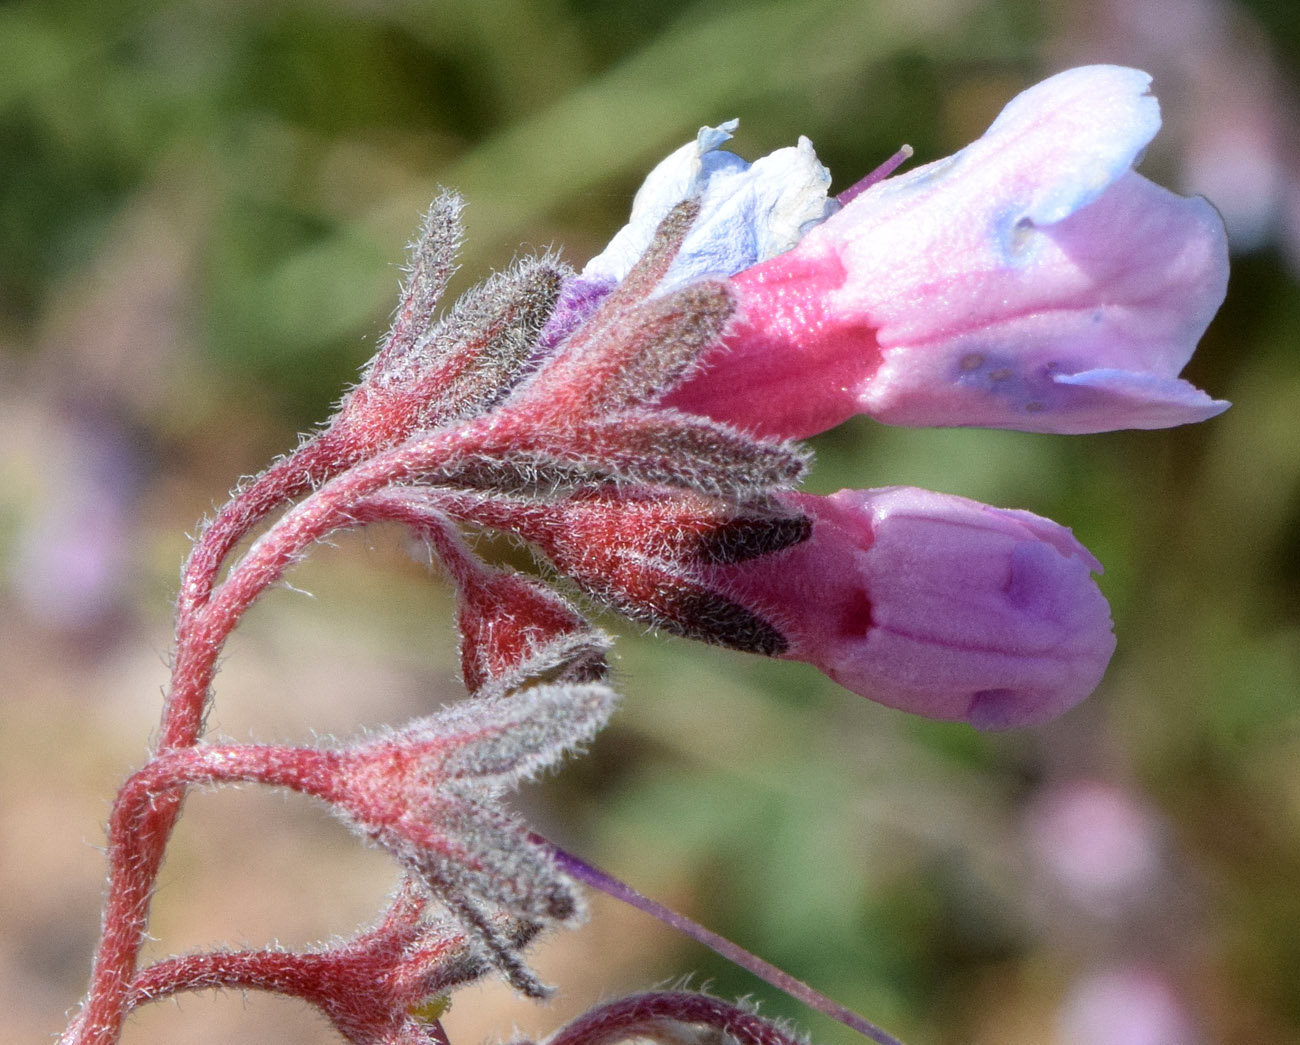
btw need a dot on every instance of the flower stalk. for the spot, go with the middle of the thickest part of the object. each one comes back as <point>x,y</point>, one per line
<point>720,945</point>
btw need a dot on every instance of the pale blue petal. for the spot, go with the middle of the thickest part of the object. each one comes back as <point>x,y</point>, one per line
<point>749,213</point>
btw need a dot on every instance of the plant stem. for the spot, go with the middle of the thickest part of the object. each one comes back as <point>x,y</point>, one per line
<point>207,614</point>
<point>778,978</point>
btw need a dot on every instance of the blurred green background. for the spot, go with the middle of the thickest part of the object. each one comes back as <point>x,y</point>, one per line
<point>203,211</point>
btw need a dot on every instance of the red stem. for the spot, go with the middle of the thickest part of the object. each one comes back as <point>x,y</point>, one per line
<point>645,1016</point>
<point>282,972</point>
<point>289,477</point>
<point>207,615</point>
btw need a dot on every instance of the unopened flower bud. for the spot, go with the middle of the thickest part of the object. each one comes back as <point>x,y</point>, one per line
<point>937,605</point>
<point>648,556</point>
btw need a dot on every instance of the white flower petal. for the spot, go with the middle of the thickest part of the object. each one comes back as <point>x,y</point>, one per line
<point>749,212</point>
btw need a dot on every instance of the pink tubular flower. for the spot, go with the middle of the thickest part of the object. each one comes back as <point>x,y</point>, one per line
<point>1031,281</point>
<point>936,605</point>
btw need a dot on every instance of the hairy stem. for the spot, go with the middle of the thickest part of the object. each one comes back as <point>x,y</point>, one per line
<point>207,615</point>
<point>288,478</point>
<point>650,1016</point>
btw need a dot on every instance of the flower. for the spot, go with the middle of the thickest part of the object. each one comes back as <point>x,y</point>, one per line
<point>922,601</point>
<point>632,430</point>
<point>936,604</point>
<point>1031,281</point>
<point>748,214</point>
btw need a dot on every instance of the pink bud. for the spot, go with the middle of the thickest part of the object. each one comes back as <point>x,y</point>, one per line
<point>937,605</point>
<point>1031,281</point>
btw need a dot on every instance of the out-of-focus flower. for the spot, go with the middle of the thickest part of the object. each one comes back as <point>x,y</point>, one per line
<point>72,551</point>
<point>937,605</point>
<point>1127,1005</point>
<point>1102,851</point>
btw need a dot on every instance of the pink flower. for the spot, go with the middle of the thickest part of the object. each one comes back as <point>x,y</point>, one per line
<point>936,605</point>
<point>1127,1004</point>
<point>1031,281</point>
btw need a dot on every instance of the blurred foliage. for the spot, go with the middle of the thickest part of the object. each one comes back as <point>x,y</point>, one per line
<point>239,178</point>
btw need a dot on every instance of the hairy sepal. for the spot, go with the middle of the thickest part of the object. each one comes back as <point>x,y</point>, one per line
<point>431,262</point>
<point>481,347</point>
<point>515,631</point>
<point>637,346</point>
<point>584,347</point>
<point>430,795</point>
<point>632,358</point>
<point>633,448</point>
<point>658,594</point>
<point>646,557</point>
<point>647,554</point>
<point>459,368</point>
<point>665,447</point>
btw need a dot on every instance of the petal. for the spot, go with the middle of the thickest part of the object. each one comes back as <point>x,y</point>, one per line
<point>749,214</point>
<point>1071,136</point>
<point>1125,287</point>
